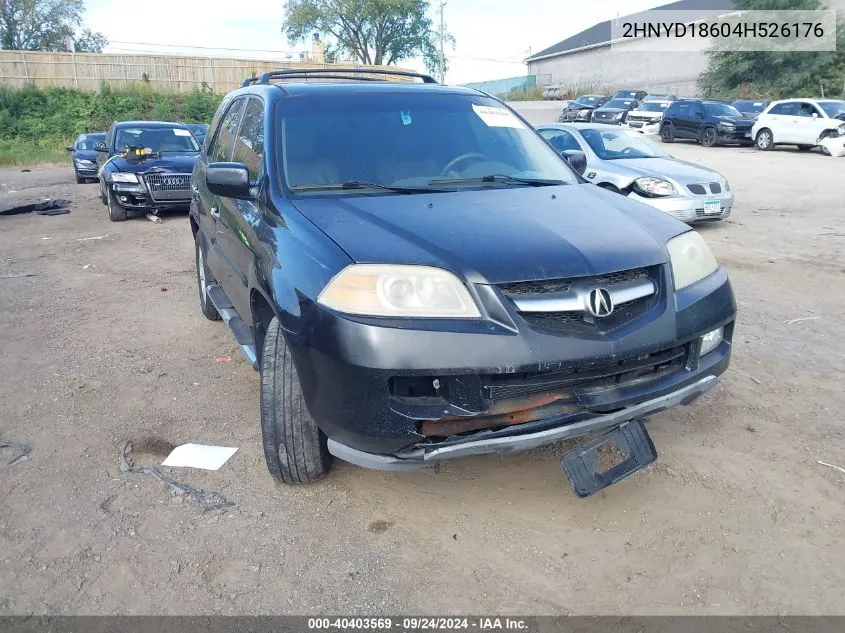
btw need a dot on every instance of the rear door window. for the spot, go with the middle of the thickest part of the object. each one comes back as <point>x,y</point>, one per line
<point>221,149</point>
<point>784,109</point>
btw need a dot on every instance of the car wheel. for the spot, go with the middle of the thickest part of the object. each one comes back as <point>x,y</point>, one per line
<point>103,197</point>
<point>116,212</point>
<point>204,277</point>
<point>764,139</point>
<point>805,148</point>
<point>294,447</point>
<point>708,137</point>
<point>79,179</point>
<point>667,133</point>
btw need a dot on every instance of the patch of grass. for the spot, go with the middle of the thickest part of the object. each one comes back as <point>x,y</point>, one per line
<point>21,152</point>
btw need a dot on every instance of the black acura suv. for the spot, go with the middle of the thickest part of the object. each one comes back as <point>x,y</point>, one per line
<point>145,167</point>
<point>419,276</point>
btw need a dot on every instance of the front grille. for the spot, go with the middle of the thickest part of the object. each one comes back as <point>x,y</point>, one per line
<point>577,322</point>
<point>602,374</point>
<point>169,186</point>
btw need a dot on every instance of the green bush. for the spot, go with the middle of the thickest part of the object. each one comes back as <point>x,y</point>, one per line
<point>37,123</point>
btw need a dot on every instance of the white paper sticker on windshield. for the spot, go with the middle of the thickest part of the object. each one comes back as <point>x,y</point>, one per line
<point>758,103</point>
<point>180,132</point>
<point>497,117</point>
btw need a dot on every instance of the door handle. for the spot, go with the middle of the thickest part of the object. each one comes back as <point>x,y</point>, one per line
<point>215,213</point>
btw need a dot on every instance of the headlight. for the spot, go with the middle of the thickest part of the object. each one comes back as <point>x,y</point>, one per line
<point>691,259</point>
<point>655,186</point>
<point>84,162</point>
<point>726,126</point>
<point>841,130</point>
<point>620,115</point>
<point>727,185</point>
<point>584,114</point>
<point>710,341</point>
<point>123,177</point>
<point>398,291</point>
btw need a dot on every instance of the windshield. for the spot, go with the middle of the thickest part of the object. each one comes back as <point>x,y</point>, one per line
<point>158,139</point>
<point>721,109</point>
<point>87,141</point>
<point>622,144</point>
<point>631,94</point>
<point>749,107</point>
<point>587,100</point>
<point>623,104</point>
<point>833,108</point>
<point>409,139</point>
<point>653,106</point>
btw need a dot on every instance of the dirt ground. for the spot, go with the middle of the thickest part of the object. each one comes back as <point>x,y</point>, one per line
<point>736,517</point>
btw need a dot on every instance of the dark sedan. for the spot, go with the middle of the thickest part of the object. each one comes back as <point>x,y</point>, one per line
<point>84,156</point>
<point>615,111</point>
<point>582,108</point>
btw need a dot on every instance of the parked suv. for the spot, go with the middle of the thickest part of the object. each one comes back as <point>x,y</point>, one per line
<point>708,122</point>
<point>145,167</point>
<point>474,295</point>
<point>801,122</point>
<point>615,111</point>
<point>84,156</point>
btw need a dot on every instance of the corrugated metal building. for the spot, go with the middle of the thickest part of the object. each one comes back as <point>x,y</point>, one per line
<point>587,59</point>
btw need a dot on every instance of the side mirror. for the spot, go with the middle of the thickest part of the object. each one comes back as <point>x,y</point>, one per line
<point>815,115</point>
<point>70,148</point>
<point>100,147</point>
<point>576,159</point>
<point>228,180</point>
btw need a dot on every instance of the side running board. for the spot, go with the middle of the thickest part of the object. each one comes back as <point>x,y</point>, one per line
<point>243,335</point>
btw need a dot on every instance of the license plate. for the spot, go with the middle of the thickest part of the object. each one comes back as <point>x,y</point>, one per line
<point>609,458</point>
<point>748,135</point>
<point>636,124</point>
<point>712,207</point>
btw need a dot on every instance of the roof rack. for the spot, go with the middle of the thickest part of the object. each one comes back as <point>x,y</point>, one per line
<point>332,73</point>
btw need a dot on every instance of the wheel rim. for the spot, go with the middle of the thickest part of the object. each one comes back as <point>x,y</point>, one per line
<point>709,137</point>
<point>763,140</point>
<point>201,274</point>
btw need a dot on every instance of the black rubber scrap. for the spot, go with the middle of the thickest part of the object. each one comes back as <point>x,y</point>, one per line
<point>46,207</point>
<point>23,450</point>
<point>207,500</point>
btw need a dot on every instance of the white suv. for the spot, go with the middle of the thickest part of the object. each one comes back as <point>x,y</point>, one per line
<point>801,122</point>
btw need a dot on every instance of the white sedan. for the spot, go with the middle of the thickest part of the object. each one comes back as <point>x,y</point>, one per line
<point>801,122</point>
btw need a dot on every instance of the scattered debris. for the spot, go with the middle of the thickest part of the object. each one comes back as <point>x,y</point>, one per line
<point>206,500</point>
<point>96,237</point>
<point>46,207</point>
<point>23,450</point>
<point>154,218</point>
<point>163,289</point>
<point>839,468</point>
<point>802,319</point>
<point>87,266</point>
<point>749,376</point>
<point>199,456</point>
<point>224,359</point>
<point>24,171</point>
<point>750,428</point>
<point>46,238</point>
<point>17,275</point>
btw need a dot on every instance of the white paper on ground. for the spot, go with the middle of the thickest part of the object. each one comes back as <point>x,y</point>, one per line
<point>199,456</point>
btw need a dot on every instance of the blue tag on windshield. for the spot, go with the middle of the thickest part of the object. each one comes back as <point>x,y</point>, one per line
<point>406,117</point>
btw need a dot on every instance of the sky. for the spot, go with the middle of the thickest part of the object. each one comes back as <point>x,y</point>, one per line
<point>492,36</point>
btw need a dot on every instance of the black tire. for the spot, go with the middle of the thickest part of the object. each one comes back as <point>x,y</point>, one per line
<point>116,212</point>
<point>79,179</point>
<point>805,148</point>
<point>609,187</point>
<point>708,137</point>
<point>103,197</point>
<point>667,133</point>
<point>204,277</point>
<point>294,447</point>
<point>764,140</point>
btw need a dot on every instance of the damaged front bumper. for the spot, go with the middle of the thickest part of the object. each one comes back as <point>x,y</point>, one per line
<point>138,197</point>
<point>516,441</point>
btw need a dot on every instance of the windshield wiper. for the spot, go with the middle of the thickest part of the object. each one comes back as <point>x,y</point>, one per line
<point>501,178</point>
<point>356,184</point>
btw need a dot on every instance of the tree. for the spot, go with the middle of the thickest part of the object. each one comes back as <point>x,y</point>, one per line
<point>380,32</point>
<point>775,74</point>
<point>44,25</point>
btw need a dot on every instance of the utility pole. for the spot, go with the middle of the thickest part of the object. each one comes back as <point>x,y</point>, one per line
<point>442,44</point>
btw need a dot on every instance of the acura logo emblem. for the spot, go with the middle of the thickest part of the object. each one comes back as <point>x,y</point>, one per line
<point>599,302</point>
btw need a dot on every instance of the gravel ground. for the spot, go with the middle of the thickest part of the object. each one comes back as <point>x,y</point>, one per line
<point>106,343</point>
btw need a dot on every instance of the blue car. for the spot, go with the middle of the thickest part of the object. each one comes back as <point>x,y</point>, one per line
<point>84,156</point>
<point>419,276</point>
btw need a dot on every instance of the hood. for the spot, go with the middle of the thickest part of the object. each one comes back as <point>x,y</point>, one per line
<point>610,111</point>
<point>580,106</point>
<point>645,114</point>
<point>85,154</point>
<point>679,170</point>
<point>498,236</point>
<point>174,163</point>
<point>738,121</point>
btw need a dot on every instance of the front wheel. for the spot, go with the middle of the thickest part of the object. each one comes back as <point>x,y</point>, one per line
<point>764,140</point>
<point>79,179</point>
<point>294,447</point>
<point>708,137</point>
<point>116,212</point>
<point>667,133</point>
